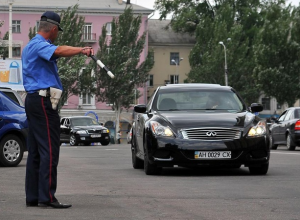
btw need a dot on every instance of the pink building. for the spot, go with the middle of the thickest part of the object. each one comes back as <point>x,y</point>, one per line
<point>26,14</point>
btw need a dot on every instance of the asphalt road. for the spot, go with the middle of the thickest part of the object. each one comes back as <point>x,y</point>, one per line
<point>101,184</point>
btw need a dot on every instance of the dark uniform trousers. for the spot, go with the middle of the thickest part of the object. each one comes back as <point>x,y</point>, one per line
<point>43,149</point>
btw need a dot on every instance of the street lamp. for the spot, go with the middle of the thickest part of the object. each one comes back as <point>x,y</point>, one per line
<point>226,78</point>
<point>10,2</point>
<point>173,61</point>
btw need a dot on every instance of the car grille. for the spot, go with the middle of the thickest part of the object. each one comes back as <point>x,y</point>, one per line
<point>91,131</point>
<point>211,134</point>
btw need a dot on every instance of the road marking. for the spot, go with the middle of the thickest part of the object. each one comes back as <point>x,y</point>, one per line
<point>111,149</point>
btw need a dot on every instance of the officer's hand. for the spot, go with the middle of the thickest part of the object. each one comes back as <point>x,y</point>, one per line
<point>88,51</point>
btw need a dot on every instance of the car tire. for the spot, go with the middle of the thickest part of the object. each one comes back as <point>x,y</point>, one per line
<point>73,141</point>
<point>150,169</point>
<point>271,144</point>
<point>289,143</point>
<point>11,151</point>
<point>261,170</point>
<point>137,163</point>
<point>104,143</point>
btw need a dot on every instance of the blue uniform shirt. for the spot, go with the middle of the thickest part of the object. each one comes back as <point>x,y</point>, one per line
<point>39,65</point>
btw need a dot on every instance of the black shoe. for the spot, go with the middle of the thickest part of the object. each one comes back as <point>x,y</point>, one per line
<point>55,205</point>
<point>31,204</point>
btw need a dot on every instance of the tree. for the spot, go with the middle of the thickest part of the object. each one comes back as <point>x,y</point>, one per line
<point>4,48</point>
<point>71,69</point>
<point>277,53</point>
<point>122,55</point>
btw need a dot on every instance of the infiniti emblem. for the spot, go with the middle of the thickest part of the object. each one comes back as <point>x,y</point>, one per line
<point>211,133</point>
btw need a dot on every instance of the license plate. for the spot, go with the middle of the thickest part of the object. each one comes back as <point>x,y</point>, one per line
<point>212,154</point>
<point>95,135</point>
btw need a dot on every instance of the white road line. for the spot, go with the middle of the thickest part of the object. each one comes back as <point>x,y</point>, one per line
<point>111,149</point>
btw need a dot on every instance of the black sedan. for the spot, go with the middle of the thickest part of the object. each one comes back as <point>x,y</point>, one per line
<point>192,125</point>
<point>286,129</point>
<point>82,129</point>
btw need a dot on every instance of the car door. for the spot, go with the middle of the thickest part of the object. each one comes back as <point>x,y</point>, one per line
<point>65,129</point>
<point>288,119</point>
<point>278,129</point>
<point>1,117</point>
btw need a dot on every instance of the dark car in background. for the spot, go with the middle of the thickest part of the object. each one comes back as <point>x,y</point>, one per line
<point>192,125</point>
<point>82,129</point>
<point>13,128</point>
<point>285,129</point>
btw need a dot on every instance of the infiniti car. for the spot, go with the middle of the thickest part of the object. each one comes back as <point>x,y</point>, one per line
<point>194,125</point>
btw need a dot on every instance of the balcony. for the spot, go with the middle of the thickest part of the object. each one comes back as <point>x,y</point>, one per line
<point>89,37</point>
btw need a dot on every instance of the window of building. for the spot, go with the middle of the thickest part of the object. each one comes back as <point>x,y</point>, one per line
<point>37,25</point>
<point>16,26</point>
<point>150,80</point>
<point>86,98</point>
<point>87,31</point>
<point>266,103</point>
<point>16,52</point>
<point>174,79</point>
<point>108,28</point>
<point>174,57</point>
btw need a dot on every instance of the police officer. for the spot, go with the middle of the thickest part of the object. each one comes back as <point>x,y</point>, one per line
<point>39,59</point>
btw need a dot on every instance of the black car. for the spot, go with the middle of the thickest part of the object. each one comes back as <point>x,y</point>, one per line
<point>286,129</point>
<point>82,129</point>
<point>13,128</point>
<point>190,125</point>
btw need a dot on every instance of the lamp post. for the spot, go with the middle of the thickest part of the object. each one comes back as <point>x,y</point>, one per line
<point>10,2</point>
<point>173,61</point>
<point>226,78</point>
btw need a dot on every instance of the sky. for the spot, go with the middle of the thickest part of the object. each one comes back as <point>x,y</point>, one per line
<point>150,4</point>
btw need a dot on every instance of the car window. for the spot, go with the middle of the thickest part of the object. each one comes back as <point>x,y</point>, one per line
<point>282,116</point>
<point>198,100</point>
<point>288,115</point>
<point>84,122</point>
<point>297,113</point>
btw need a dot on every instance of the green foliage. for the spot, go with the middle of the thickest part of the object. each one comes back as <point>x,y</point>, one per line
<point>121,54</point>
<point>4,50</point>
<point>263,54</point>
<point>70,68</point>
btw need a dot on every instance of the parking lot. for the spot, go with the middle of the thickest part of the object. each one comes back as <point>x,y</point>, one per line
<point>101,184</point>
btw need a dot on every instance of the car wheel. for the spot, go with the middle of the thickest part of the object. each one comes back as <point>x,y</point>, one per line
<point>11,151</point>
<point>73,141</point>
<point>150,169</point>
<point>137,163</point>
<point>104,143</point>
<point>289,143</point>
<point>271,144</point>
<point>261,170</point>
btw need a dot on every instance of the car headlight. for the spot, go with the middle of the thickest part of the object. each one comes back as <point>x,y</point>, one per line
<point>105,131</point>
<point>258,130</point>
<point>160,130</point>
<point>81,132</point>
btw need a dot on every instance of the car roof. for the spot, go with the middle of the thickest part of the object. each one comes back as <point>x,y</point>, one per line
<point>194,86</point>
<point>78,116</point>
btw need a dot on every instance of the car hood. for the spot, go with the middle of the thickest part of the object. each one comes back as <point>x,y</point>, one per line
<point>185,119</point>
<point>89,127</point>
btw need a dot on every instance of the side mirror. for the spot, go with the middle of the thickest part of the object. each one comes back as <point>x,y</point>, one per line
<point>256,107</point>
<point>140,108</point>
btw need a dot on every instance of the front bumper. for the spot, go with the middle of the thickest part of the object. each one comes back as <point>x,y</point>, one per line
<point>90,139</point>
<point>171,151</point>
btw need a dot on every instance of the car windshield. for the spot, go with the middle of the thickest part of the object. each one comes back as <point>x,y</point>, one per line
<point>198,100</point>
<point>84,122</point>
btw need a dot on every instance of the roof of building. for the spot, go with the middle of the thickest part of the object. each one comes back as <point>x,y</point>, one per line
<point>159,34</point>
<point>85,6</point>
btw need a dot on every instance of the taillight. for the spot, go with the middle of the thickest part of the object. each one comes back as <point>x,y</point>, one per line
<point>297,125</point>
